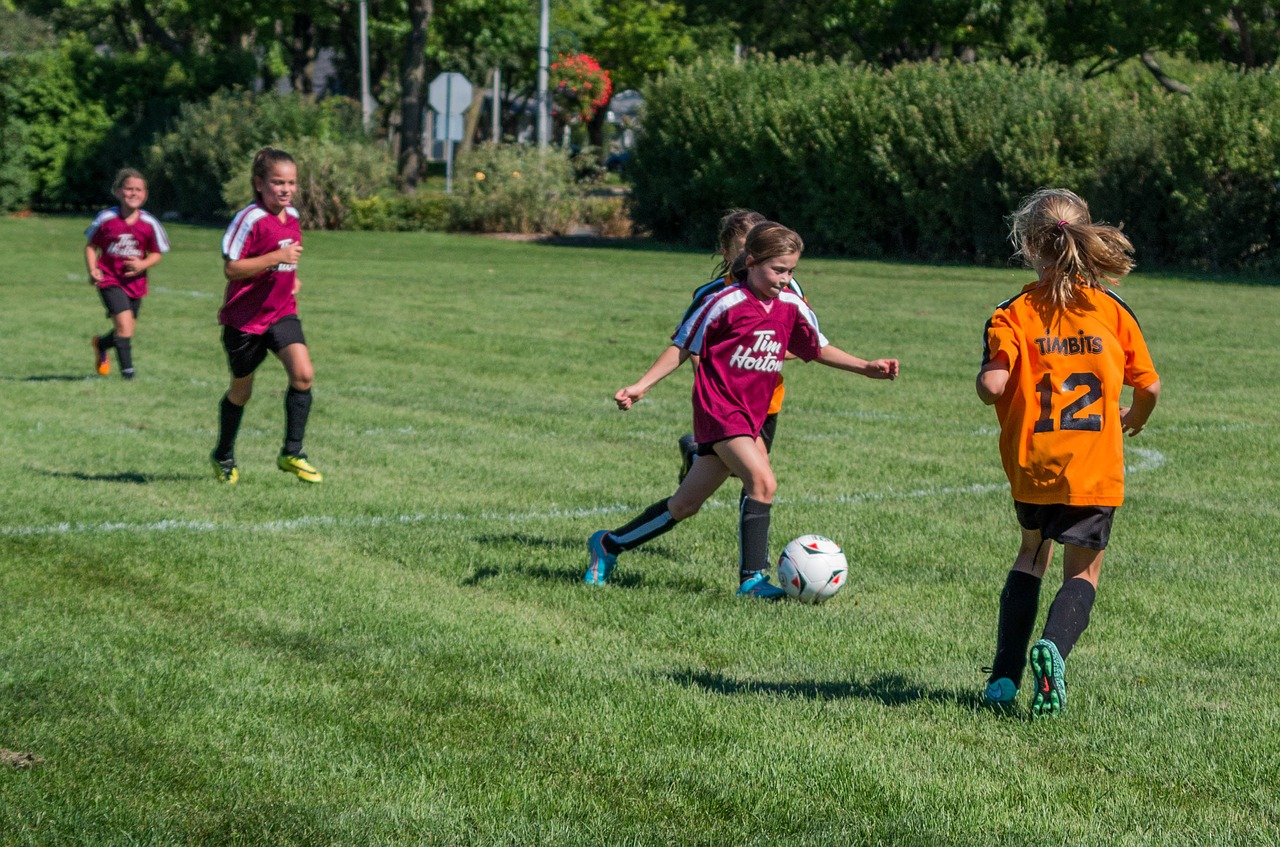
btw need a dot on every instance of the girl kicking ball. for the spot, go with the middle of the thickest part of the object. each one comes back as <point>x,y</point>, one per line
<point>741,335</point>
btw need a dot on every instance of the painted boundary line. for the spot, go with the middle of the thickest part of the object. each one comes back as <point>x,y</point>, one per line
<point>1147,460</point>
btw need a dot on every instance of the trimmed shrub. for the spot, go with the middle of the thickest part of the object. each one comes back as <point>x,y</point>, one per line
<point>393,212</point>
<point>333,176</point>
<point>190,164</point>
<point>510,188</point>
<point>925,161</point>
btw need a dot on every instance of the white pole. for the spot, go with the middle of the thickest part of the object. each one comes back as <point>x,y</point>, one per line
<point>497,106</point>
<point>544,63</point>
<point>448,135</point>
<point>366,99</point>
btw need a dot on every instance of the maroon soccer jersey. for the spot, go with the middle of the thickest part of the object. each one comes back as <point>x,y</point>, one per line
<point>119,240</point>
<point>742,341</point>
<point>254,303</point>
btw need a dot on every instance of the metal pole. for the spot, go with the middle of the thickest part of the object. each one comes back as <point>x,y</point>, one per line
<point>448,135</point>
<point>544,64</point>
<point>366,99</point>
<point>497,106</point>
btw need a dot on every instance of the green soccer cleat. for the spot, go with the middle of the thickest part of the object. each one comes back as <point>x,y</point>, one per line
<point>1051,689</point>
<point>225,471</point>
<point>299,467</point>
<point>688,452</point>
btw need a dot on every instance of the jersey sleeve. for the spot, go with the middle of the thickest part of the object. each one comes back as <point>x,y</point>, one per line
<point>1000,336</point>
<point>1139,370</point>
<point>158,242</point>
<point>807,339</point>
<point>94,233</point>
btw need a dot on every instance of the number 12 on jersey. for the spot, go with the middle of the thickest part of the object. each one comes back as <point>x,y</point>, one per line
<point>1072,416</point>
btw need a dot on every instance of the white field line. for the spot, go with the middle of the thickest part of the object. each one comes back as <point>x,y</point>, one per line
<point>1147,460</point>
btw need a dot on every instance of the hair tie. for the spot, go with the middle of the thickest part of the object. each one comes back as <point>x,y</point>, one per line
<point>1062,225</point>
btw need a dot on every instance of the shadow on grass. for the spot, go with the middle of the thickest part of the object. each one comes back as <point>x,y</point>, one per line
<point>622,578</point>
<point>888,689</point>
<point>48,378</point>
<point>125,477</point>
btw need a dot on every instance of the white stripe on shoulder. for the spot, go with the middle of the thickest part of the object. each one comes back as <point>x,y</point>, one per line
<point>238,232</point>
<point>102,217</point>
<point>162,237</point>
<point>805,312</point>
<point>715,306</point>
<point>293,212</point>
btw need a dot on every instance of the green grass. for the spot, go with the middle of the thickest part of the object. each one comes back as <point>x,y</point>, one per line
<point>404,655</point>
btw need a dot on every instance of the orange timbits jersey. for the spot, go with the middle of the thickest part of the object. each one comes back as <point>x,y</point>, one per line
<point>1060,434</point>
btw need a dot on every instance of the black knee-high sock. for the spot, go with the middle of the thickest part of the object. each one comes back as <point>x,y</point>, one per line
<point>106,342</point>
<point>1069,614</point>
<point>753,538</point>
<point>297,407</point>
<point>1019,603</point>
<point>124,352</point>
<point>646,526</point>
<point>228,425</point>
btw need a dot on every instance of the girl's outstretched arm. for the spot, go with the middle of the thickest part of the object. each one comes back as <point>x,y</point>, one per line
<point>833,357</point>
<point>666,363</point>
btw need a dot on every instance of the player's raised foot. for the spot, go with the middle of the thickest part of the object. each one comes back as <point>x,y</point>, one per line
<point>1051,689</point>
<point>600,561</point>
<point>100,360</point>
<point>299,467</point>
<point>688,452</point>
<point>224,470</point>
<point>1000,692</point>
<point>759,587</point>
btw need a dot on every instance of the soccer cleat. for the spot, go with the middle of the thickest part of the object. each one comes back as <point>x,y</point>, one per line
<point>128,373</point>
<point>299,467</point>
<point>1051,689</point>
<point>601,561</point>
<point>688,452</point>
<point>759,587</point>
<point>1000,692</point>
<point>225,471</point>
<point>100,358</point>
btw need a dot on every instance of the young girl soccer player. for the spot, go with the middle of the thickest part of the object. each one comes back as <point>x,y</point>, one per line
<point>1054,361</point>
<point>260,315</point>
<point>733,235</point>
<point>123,243</point>
<point>740,335</point>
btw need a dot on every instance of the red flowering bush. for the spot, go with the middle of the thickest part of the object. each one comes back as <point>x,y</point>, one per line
<point>579,86</point>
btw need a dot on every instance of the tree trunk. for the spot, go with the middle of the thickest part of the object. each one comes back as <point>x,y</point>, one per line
<point>302,54</point>
<point>413,93</point>
<point>472,122</point>
<point>1246,40</point>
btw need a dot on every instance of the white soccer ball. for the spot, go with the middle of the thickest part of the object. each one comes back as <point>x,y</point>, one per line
<point>812,569</point>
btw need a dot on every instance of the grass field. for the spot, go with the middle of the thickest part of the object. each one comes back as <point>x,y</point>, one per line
<point>405,655</point>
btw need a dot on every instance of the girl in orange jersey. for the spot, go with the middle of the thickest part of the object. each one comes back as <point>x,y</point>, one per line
<point>1054,361</point>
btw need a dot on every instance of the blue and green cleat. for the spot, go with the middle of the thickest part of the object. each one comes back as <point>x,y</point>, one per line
<point>1000,692</point>
<point>601,561</point>
<point>759,587</point>
<point>1051,689</point>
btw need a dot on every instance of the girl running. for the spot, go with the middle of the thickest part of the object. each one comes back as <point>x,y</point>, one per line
<point>123,243</point>
<point>1054,361</point>
<point>734,227</point>
<point>740,335</point>
<point>260,315</point>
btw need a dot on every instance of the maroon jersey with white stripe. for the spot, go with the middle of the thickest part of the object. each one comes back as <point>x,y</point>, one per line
<point>741,340</point>
<point>119,240</point>
<point>254,303</point>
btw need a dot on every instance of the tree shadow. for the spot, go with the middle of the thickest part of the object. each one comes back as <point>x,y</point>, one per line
<point>124,477</point>
<point>623,578</point>
<point>886,689</point>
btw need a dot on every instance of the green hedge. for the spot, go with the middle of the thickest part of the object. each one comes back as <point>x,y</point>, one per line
<point>925,161</point>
